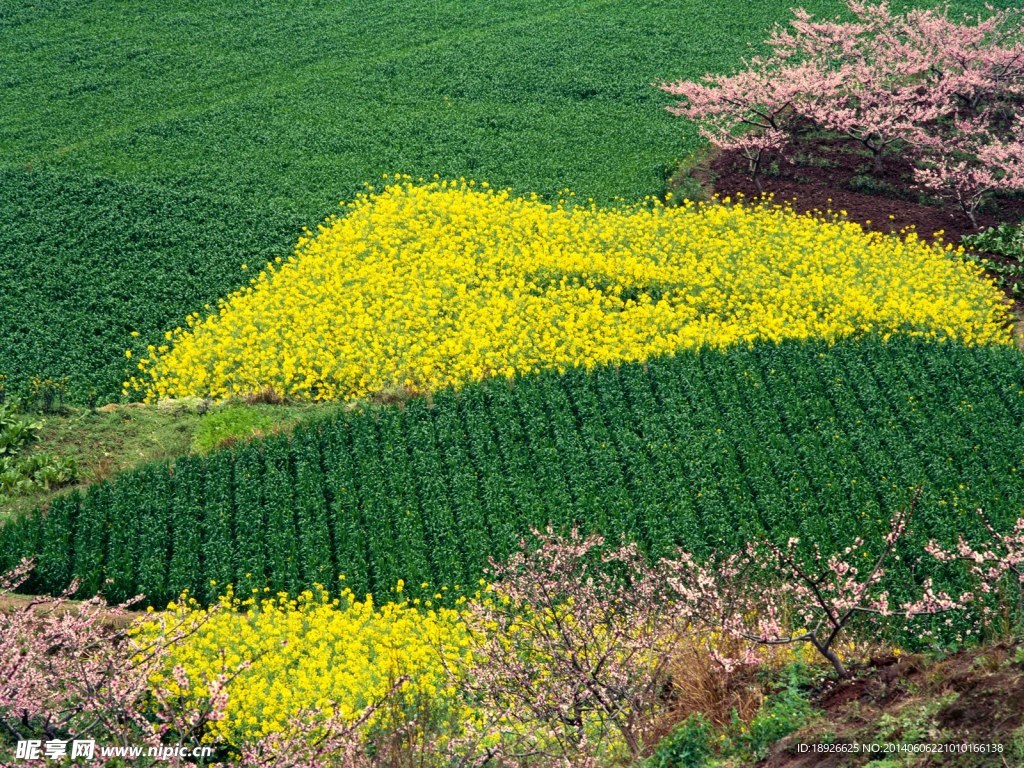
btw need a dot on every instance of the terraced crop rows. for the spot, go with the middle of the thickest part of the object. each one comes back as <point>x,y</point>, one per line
<point>701,450</point>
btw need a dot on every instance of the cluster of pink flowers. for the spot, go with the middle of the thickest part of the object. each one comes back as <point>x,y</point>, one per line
<point>950,92</point>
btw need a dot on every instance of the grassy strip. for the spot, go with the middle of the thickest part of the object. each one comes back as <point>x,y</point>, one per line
<point>111,440</point>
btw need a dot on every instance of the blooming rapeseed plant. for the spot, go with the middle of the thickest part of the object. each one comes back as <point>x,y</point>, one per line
<point>444,283</point>
<point>315,651</point>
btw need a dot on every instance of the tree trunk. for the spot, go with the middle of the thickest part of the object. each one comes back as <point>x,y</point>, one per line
<point>755,167</point>
<point>876,164</point>
<point>969,211</point>
<point>828,653</point>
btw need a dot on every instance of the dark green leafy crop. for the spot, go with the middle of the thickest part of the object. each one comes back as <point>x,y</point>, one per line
<point>702,450</point>
<point>147,150</point>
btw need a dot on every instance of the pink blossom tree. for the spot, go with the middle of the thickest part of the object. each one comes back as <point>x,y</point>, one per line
<point>970,164</point>
<point>983,63</point>
<point>769,595</point>
<point>877,98</point>
<point>573,639</point>
<point>881,80</point>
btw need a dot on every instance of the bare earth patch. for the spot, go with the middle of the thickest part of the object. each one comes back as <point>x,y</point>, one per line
<point>973,697</point>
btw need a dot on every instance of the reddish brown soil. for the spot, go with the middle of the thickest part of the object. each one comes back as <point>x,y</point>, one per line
<point>987,707</point>
<point>833,175</point>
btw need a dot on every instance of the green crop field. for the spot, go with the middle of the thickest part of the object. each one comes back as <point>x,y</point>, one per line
<point>700,450</point>
<point>147,150</point>
<point>313,312</point>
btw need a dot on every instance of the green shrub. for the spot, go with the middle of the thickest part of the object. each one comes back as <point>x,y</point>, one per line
<point>15,431</point>
<point>1006,240</point>
<point>782,713</point>
<point>913,723</point>
<point>48,470</point>
<point>42,470</point>
<point>689,745</point>
<point>227,425</point>
<point>22,474</point>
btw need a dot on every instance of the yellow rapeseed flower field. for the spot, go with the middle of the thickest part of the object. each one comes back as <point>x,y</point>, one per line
<point>315,652</point>
<point>425,285</point>
<point>311,655</point>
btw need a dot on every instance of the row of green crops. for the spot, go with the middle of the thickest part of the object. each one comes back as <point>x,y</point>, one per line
<point>84,265</point>
<point>701,450</point>
<point>147,150</point>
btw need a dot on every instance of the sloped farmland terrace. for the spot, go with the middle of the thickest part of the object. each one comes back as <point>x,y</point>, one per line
<point>148,150</point>
<point>701,450</point>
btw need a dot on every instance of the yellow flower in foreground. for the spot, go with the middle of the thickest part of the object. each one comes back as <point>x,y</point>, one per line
<point>444,283</point>
<point>315,650</point>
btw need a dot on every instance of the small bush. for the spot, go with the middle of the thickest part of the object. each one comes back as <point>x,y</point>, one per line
<point>227,425</point>
<point>783,712</point>
<point>265,396</point>
<point>914,722</point>
<point>1006,240</point>
<point>15,431</point>
<point>21,474</point>
<point>689,744</point>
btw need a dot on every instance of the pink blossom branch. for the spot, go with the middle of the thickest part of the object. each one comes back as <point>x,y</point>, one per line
<point>881,80</point>
<point>569,649</point>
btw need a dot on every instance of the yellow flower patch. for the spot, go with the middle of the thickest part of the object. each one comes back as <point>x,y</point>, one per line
<point>314,652</point>
<point>429,285</point>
